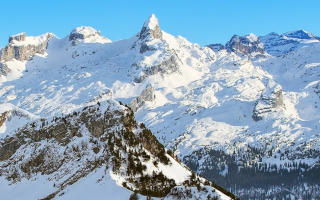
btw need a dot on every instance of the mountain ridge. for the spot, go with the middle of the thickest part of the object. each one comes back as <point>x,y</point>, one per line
<point>243,113</point>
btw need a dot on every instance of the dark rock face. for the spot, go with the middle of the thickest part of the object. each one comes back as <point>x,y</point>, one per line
<point>267,103</point>
<point>216,47</point>
<point>245,45</point>
<point>23,52</point>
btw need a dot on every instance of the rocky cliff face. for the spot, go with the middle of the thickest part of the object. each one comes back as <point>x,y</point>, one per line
<point>150,40</point>
<point>247,45</point>
<point>268,101</point>
<point>146,95</point>
<point>22,48</point>
<point>150,29</point>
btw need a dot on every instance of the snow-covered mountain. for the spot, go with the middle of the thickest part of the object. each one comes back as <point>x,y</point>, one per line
<point>95,152</point>
<point>244,114</point>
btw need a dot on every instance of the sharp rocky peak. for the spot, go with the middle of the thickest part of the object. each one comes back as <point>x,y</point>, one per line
<point>150,29</point>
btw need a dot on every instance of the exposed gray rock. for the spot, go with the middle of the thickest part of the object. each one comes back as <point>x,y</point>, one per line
<point>245,45</point>
<point>18,37</point>
<point>267,102</point>
<point>146,95</point>
<point>150,31</point>
<point>4,70</point>
<point>145,47</point>
<point>165,67</point>
<point>16,49</point>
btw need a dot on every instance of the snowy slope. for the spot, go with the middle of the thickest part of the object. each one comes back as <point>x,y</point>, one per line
<point>251,104</point>
<point>96,152</point>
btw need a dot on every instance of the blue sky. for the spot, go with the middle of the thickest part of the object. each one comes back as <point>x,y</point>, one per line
<point>201,21</point>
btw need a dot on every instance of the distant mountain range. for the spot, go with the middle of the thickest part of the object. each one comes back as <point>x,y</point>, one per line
<point>84,117</point>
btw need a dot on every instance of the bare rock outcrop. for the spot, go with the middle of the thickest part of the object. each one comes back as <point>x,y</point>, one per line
<point>245,45</point>
<point>146,95</point>
<point>150,31</point>
<point>4,69</point>
<point>269,100</point>
<point>23,48</point>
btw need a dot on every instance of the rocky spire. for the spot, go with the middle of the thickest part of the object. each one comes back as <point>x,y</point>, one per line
<point>150,29</point>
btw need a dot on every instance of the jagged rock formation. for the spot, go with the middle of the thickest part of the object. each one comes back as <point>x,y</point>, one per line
<point>267,102</point>
<point>167,66</point>
<point>23,48</point>
<point>151,29</point>
<point>150,39</point>
<point>247,45</point>
<point>146,95</point>
<point>18,37</point>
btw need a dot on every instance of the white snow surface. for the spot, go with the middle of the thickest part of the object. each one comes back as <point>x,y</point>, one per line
<point>207,102</point>
<point>152,22</point>
<point>31,40</point>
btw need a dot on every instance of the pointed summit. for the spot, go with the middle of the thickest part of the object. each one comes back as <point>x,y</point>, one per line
<point>152,22</point>
<point>150,29</point>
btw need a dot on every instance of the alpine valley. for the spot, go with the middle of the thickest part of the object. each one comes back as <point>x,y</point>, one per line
<point>158,117</point>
